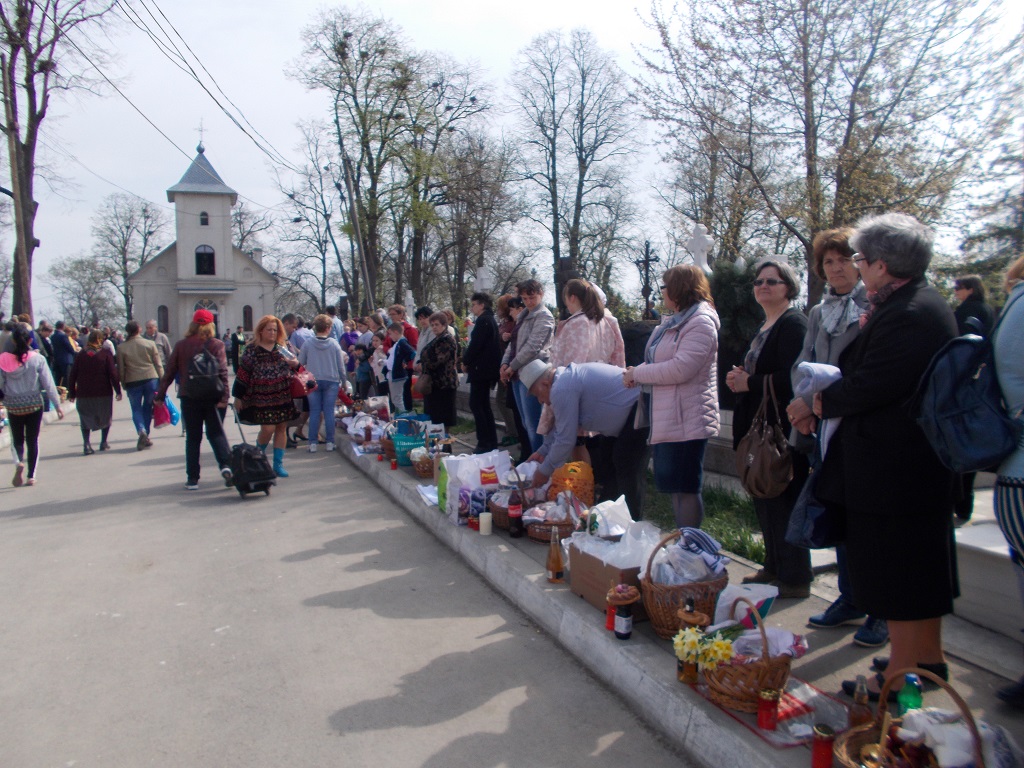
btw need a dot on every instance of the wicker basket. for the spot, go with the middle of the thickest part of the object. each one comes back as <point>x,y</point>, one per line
<point>499,515</point>
<point>848,744</point>
<point>541,532</point>
<point>424,467</point>
<point>738,686</point>
<point>662,601</point>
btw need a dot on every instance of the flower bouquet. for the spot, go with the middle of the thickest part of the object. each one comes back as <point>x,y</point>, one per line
<point>696,651</point>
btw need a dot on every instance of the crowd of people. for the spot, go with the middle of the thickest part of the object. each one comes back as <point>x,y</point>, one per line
<point>565,391</point>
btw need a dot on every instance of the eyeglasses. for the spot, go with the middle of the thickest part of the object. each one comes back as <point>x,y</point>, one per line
<point>661,287</point>
<point>858,258</point>
<point>771,282</point>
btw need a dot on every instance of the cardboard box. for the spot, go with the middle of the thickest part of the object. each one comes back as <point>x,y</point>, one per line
<point>591,578</point>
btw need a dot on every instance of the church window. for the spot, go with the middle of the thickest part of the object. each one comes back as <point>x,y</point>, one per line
<point>204,219</point>
<point>204,261</point>
<point>162,319</point>
<point>246,318</point>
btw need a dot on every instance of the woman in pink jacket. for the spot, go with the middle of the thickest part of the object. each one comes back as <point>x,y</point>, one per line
<point>680,389</point>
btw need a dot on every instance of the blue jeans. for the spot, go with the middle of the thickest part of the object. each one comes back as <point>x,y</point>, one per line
<point>529,409</point>
<point>140,395</point>
<point>322,400</point>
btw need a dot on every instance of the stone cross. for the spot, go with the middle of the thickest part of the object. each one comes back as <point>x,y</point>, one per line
<point>698,245</point>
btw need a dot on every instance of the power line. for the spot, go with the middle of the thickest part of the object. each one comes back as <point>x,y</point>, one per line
<point>154,125</point>
<point>170,50</point>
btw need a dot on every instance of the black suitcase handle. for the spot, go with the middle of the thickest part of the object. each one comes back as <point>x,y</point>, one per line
<point>238,421</point>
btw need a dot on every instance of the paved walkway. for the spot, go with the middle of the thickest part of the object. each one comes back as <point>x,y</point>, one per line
<point>145,625</point>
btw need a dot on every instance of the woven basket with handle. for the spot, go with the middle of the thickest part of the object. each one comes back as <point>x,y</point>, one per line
<point>848,745</point>
<point>738,686</point>
<point>663,601</point>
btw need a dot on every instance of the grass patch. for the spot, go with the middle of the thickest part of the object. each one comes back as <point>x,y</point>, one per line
<point>728,516</point>
<point>462,427</point>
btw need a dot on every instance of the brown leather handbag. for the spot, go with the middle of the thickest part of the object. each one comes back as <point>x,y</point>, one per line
<point>763,460</point>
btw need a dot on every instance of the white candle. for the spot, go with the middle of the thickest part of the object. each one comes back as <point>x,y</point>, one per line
<point>485,523</point>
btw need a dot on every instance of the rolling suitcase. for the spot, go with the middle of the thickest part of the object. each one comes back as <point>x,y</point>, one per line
<point>250,467</point>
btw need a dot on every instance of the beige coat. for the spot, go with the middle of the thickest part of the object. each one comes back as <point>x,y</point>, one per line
<point>138,359</point>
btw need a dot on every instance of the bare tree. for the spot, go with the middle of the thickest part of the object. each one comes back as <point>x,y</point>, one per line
<point>37,58</point>
<point>127,232</point>
<point>879,106</point>
<point>247,225</point>
<point>575,116</point>
<point>6,278</point>
<point>366,66</point>
<point>84,296</point>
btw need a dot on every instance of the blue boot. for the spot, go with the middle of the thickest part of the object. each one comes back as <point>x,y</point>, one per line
<point>279,462</point>
<point>262,447</point>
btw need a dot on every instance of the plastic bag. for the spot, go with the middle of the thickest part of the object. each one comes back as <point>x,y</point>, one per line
<point>612,517</point>
<point>171,409</point>
<point>161,416</point>
<point>761,595</point>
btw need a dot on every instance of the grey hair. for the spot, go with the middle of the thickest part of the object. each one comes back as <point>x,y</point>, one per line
<point>898,239</point>
<point>787,274</point>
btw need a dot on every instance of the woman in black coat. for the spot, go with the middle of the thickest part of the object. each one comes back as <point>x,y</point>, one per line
<point>482,361</point>
<point>771,356</point>
<point>879,466</point>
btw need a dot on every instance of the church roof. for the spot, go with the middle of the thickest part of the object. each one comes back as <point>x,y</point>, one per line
<point>201,178</point>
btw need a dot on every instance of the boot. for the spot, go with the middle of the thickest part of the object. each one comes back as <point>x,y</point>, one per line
<point>262,447</point>
<point>279,462</point>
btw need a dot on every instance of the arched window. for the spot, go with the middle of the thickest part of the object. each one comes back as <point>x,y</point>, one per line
<point>246,318</point>
<point>162,319</point>
<point>204,219</point>
<point>204,261</point>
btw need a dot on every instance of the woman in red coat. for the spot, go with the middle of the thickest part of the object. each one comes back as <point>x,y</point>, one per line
<point>92,383</point>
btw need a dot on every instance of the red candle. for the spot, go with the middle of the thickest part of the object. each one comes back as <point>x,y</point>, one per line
<point>394,463</point>
<point>380,457</point>
<point>768,710</point>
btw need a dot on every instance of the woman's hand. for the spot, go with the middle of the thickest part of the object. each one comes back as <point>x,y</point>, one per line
<point>627,378</point>
<point>506,336</point>
<point>505,373</point>
<point>60,413</point>
<point>119,397</point>
<point>798,410</point>
<point>738,380</point>
<point>239,404</point>
<point>817,405</point>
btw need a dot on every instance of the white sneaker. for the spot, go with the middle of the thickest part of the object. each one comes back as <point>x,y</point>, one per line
<point>330,447</point>
<point>312,447</point>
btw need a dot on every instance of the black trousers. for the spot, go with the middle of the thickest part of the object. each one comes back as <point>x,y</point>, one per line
<point>620,465</point>
<point>195,414</point>
<point>791,564</point>
<point>480,406</point>
<point>25,435</point>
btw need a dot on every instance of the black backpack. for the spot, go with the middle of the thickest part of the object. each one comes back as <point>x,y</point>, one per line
<point>202,377</point>
<point>961,409</point>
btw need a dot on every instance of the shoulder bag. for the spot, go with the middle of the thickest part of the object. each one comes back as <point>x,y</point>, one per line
<point>763,460</point>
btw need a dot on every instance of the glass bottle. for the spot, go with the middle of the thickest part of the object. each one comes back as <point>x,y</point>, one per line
<point>910,695</point>
<point>555,568</point>
<point>860,711</point>
<point>623,621</point>
<point>515,514</point>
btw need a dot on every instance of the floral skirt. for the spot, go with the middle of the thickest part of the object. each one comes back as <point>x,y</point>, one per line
<point>271,414</point>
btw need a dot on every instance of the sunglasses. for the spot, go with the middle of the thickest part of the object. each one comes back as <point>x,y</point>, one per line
<point>771,282</point>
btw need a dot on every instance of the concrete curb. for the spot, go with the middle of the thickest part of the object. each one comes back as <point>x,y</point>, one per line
<point>641,671</point>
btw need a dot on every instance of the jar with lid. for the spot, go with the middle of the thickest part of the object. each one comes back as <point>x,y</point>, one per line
<point>768,709</point>
<point>821,746</point>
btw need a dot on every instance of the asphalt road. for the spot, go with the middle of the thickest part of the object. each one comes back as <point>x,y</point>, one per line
<point>145,625</point>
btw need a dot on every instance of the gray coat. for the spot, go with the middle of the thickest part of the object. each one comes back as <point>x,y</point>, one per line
<point>821,347</point>
<point>533,342</point>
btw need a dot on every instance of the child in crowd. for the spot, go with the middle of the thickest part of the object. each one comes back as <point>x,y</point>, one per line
<point>377,359</point>
<point>364,371</point>
<point>399,355</point>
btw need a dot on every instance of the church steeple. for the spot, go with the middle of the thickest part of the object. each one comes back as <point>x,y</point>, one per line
<point>201,178</point>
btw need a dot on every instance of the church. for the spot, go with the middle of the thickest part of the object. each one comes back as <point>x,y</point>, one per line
<point>202,269</point>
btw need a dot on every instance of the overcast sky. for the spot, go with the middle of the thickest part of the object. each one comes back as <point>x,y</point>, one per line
<point>102,145</point>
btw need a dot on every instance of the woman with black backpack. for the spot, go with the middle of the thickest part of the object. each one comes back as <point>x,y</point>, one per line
<point>202,405</point>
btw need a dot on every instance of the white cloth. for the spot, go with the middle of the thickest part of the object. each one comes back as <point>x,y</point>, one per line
<point>810,379</point>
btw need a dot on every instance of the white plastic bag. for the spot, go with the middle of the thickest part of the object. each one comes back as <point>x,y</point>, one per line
<point>612,517</point>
